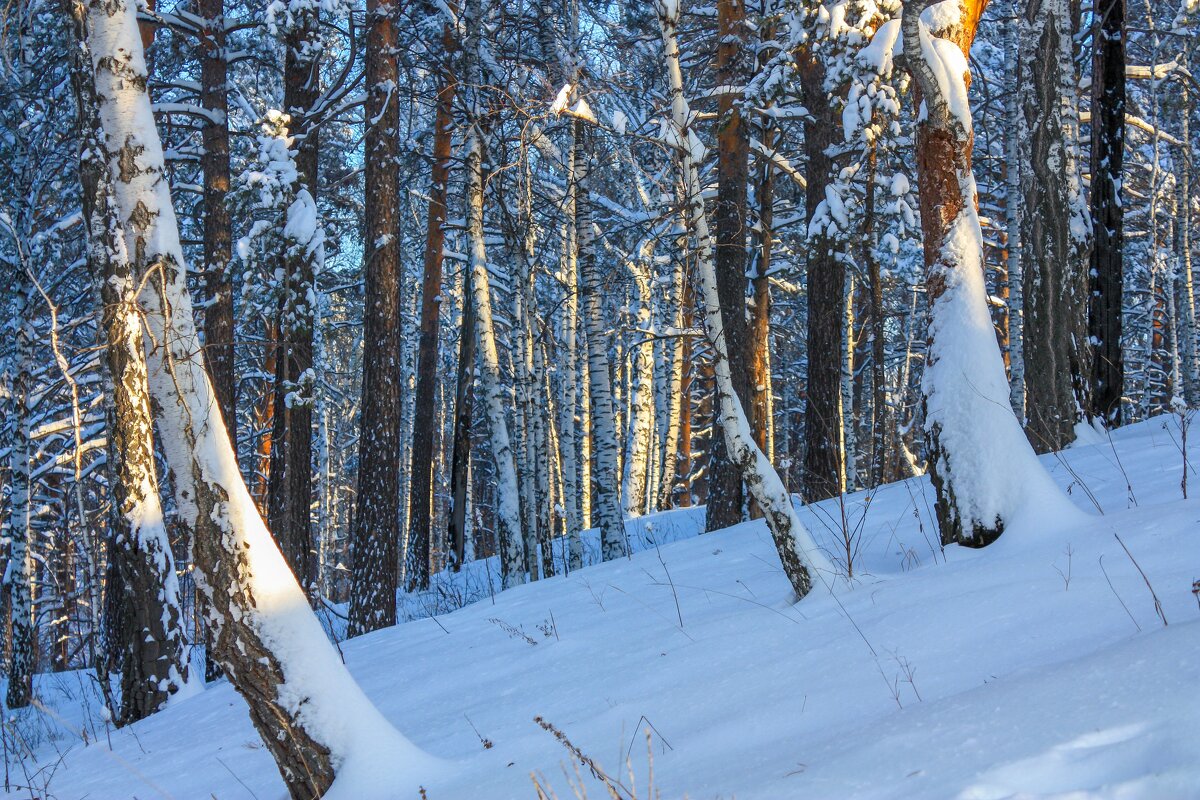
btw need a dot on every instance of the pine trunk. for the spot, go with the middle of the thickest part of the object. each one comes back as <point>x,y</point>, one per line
<point>289,481</point>
<point>824,474</point>
<point>725,491</point>
<point>375,535</point>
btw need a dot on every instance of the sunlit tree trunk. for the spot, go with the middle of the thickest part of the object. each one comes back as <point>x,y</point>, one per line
<point>982,467</point>
<point>143,635</point>
<point>311,715</point>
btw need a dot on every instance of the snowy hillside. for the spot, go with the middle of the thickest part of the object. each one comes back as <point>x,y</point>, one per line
<point>1022,670</point>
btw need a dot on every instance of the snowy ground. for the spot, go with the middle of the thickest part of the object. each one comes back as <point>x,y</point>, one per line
<point>1019,671</point>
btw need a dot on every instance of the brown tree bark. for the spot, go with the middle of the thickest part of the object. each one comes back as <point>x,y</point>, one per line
<point>374,537</point>
<point>289,500</point>
<point>460,461</point>
<point>823,472</point>
<point>882,420</point>
<point>218,252</point>
<point>422,472</point>
<point>759,340</point>
<point>726,495</point>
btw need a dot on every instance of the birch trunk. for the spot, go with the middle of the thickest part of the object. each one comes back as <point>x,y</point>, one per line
<point>798,553</point>
<point>641,418</point>
<point>143,633</point>
<point>1054,228</point>
<point>311,715</point>
<point>18,575</point>
<point>607,489</point>
<point>1013,167</point>
<point>508,498</point>
<point>1187,296</point>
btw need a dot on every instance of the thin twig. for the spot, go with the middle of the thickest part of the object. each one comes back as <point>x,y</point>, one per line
<point>1157,605</point>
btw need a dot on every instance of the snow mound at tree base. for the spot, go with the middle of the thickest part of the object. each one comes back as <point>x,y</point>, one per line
<point>1035,668</point>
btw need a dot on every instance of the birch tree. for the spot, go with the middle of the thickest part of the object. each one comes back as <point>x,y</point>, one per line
<point>798,552</point>
<point>144,614</point>
<point>1055,228</point>
<point>312,717</point>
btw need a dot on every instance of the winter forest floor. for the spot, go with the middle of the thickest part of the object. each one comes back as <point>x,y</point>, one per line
<point>1021,670</point>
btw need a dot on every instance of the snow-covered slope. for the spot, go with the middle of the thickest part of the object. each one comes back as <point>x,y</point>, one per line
<point>1021,670</point>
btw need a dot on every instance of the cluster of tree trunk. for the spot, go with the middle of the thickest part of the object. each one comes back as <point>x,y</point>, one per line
<point>655,307</point>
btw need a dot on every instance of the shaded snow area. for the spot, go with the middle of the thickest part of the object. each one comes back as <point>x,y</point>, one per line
<point>1018,671</point>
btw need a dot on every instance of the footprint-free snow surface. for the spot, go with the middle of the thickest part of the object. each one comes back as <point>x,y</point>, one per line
<point>1038,667</point>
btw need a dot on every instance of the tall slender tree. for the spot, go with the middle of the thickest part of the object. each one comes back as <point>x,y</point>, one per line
<point>1107,276</point>
<point>375,537</point>
<point>725,492</point>
<point>1054,232</point>
<point>425,395</point>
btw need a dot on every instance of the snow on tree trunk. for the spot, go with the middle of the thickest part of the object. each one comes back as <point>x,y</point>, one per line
<point>824,472</point>
<point>1054,234</point>
<point>312,717</point>
<point>798,553</point>
<point>982,467</point>
<point>289,479</point>
<point>726,496</point>
<point>143,635</point>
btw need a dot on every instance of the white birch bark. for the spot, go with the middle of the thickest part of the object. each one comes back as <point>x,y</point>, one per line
<point>1016,281</point>
<point>508,497</point>
<point>849,449</point>
<point>18,575</point>
<point>613,543</point>
<point>311,714</point>
<point>1187,296</point>
<point>641,417</point>
<point>583,381</point>
<point>797,551</point>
